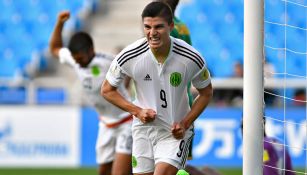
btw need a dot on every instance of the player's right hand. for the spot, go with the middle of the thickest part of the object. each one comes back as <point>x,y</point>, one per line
<point>146,115</point>
<point>63,16</point>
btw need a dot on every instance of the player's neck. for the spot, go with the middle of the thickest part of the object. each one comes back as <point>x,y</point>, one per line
<point>161,54</point>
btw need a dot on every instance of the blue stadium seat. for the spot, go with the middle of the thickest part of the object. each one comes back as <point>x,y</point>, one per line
<point>297,15</point>
<point>216,10</point>
<point>50,96</point>
<point>229,31</point>
<point>24,47</point>
<point>224,65</point>
<point>236,7</point>
<point>9,67</point>
<point>274,11</point>
<point>76,5</point>
<point>235,48</point>
<point>13,95</point>
<point>42,30</point>
<point>3,43</point>
<point>7,10</point>
<point>295,40</point>
<point>296,64</point>
<point>270,54</point>
<point>274,35</point>
<point>189,14</point>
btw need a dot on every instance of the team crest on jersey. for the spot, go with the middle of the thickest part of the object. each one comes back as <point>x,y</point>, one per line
<point>95,70</point>
<point>205,74</point>
<point>175,79</point>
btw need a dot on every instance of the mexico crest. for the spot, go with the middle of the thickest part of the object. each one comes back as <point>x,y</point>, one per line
<point>175,79</point>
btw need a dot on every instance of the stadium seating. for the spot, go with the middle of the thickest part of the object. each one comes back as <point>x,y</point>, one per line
<point>223,21</point>
<point>50,96</point>
<point>9,95</point>
<point>25,29</point>
<point>216,28</point>
<point>26,25</point>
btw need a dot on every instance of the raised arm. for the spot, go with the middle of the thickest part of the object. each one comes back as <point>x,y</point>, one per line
<point>56,42</point>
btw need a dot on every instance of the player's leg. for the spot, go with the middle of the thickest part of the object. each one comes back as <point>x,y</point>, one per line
<point>105,149</point>
<point>170,153</point>
<point>163,168</point>
<point>142,151</point>
<point>105,169</point>
<point>122,162</point>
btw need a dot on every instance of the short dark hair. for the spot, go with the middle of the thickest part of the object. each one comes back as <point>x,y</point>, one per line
<point>172,4</point>
<point>80,42</point>
<point>158,9</point>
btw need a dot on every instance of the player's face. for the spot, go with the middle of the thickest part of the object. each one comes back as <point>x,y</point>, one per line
<point>157,31</point>
<point>82,58</point>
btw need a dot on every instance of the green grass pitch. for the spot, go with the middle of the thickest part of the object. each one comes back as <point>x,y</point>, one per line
<point>88,171</point>
<point>77,171</point>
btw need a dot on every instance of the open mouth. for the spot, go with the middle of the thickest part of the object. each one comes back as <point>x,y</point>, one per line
<point>154,40</point>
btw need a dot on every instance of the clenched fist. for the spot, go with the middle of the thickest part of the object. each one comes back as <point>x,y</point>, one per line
<point>146,115</point>
<point>178,130</point>
<point>63,16</point>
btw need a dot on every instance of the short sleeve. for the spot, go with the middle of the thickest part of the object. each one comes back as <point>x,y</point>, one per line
<point>202,79</point>
<point>115,74</point>
<point>65,57</point>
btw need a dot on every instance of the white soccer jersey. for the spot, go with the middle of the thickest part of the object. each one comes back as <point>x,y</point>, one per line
<point>91,78</point>
<point>161,87</point>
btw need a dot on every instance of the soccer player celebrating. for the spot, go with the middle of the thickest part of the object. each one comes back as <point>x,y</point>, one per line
<point>161,67</point>
<point>114,141</point>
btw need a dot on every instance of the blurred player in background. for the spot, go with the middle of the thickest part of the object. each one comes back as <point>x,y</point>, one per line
<point>161,67</point>
<point>276,159</point>
<point>114,141</point>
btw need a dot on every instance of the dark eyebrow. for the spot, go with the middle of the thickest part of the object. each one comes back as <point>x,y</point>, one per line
<point>146,25</point>
<point>156,26</point>
<point>159,25</point>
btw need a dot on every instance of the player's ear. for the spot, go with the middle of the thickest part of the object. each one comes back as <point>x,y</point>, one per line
<point>171,25</point>
<point>91,51</point>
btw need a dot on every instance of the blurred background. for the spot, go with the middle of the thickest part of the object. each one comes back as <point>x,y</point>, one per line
<point>45,121</point>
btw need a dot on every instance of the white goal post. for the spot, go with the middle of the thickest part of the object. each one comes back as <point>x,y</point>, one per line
<point>253,87</point>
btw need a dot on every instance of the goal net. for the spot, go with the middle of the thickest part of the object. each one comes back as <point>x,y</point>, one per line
<point>284,44</point>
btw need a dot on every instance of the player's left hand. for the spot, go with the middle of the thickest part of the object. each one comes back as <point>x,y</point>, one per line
<point>178,130</point>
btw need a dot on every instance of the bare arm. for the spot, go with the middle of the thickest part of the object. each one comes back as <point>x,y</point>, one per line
<point>111,94</point>
<point>56,42</point>
<point>200,103</point>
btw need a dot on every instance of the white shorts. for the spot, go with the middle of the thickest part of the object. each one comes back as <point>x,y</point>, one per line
<point>154,144</point>
<point>113,140</point>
